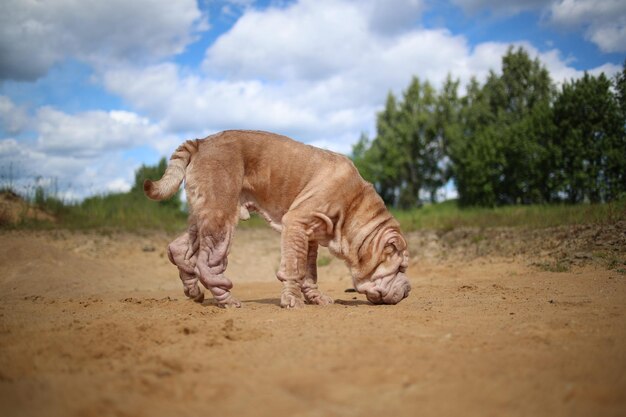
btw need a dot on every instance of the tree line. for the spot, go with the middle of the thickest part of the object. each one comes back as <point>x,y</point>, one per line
<point>518,138</point>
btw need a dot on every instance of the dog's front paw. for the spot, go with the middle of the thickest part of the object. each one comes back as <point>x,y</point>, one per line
<point>321,300</point>
<point>230,302</point>
<point>291,301</point>
<point>325,300</point>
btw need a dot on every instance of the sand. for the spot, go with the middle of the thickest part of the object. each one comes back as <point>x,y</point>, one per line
<point>97,325</point>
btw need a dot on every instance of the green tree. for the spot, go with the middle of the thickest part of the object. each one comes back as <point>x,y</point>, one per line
<point>447,116</point>
<point>520,101</point>
<point>421,146</point>
<point>513,140</point>
<point>385,151</point>
<point>499,152</point>
<point>474,152</point>
<point>620,89</point>
<point>590,133</point>
<point>405,157</point>
<point>617,158</point>
<point>377,160</point>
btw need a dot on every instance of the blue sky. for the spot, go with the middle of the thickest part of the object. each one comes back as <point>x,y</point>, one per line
<point>90,90</point>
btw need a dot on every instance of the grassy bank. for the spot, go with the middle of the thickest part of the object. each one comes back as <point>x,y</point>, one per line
<point>121,211</point>
<point>133,211</point>
<point>448,216</point>
<point>115,211</point>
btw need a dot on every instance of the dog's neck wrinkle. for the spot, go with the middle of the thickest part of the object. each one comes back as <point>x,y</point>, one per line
<point>343,238</point>
<point>365,268</point>
<point>363,225</point>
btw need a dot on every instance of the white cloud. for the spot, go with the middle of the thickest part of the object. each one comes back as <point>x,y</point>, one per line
<point>119,185</point>
<point>83,153</point>
<point>316,78</point>
<point>560,70</point>
<point>316,32</point>
<point>574,12</point>
<point>89,133</point>
<point>609,38</point>
<point>301,71</point>
<point>197,104</point>
<point>13,118</point>
<point>23,165</point>
<point>315,70</point>
<point>604,20</point>
<point>308,40</point>
<point>34,35</point>
<point>9,146</point>
<point>393,16</point>
<point>503,7</point>
<point>558,66</point>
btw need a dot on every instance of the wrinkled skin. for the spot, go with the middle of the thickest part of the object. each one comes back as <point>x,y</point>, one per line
<point>389,289</point>
<point>387,282</point>
<point>185,253</point>
<point>311,196</point>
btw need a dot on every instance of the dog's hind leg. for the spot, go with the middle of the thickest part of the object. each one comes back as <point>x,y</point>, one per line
<point>312,294</point>
<point>213,184</point>
<point>215,234</point>
<point>182,252</point>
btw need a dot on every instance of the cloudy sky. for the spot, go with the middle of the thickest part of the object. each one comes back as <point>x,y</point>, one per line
<point>91,89</point>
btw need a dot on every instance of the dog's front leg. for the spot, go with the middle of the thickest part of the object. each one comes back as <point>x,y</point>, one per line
<point>312,294</point>
<point>294,244</point>
<point>212,262</point>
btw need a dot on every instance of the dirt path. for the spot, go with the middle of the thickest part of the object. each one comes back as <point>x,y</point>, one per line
<point>97,325</point>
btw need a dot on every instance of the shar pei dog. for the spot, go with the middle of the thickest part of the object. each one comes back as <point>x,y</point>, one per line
<point>311,196</point>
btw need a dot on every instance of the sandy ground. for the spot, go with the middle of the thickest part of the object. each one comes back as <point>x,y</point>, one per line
<point>97,325</point>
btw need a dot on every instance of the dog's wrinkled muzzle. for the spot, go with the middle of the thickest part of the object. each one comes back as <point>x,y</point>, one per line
<point>394,292</point>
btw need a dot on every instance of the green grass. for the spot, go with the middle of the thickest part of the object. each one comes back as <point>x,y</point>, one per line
<point>448,216</point>
<point>323,260</point>
<point>133,211</point>
<point>609,259</point>
<point>558,265</point>
<point>121,211</point>
<point>255,221</point>
<point>124,211</point>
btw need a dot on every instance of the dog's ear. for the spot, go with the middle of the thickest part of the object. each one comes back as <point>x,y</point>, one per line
<point>396,248</point>
<point>395,243</point>
<point>327,222</point>
<point>398,243</point>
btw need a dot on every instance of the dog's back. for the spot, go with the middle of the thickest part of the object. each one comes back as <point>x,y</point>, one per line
<point>269,169</point>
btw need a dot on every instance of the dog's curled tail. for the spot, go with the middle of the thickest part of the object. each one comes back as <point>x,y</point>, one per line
<point>168,185</point>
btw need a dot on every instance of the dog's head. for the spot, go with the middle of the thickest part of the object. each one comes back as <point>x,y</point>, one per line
<point>380,273</point>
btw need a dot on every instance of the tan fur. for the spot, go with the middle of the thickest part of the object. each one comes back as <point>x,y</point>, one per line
<point>174,174</point>
<point>312,196</point>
